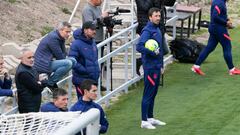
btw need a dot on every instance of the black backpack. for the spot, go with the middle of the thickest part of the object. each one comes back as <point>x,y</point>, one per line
<point>169,2</point>
<point>185,50</point>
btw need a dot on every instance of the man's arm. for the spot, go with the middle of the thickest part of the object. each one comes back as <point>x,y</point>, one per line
<point>141,44</point>
<point>56,49</point>
<point>6,92</point>
<point>103,121</point>
<point>30,83</point>
<point>217,15</point>
<point>75,53</point>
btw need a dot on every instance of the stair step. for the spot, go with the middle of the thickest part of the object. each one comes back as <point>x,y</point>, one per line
<point>11,49</point>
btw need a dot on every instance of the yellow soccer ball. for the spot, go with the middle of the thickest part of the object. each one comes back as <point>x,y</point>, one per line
<point>151,44</point>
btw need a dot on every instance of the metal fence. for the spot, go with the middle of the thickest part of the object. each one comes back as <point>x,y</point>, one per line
<point>129,50</point>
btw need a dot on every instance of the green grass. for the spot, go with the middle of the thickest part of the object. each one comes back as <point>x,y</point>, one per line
<point>188,103</point>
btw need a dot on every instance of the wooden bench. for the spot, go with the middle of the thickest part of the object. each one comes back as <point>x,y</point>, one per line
<point>182,17</point>
<point>191,10</point>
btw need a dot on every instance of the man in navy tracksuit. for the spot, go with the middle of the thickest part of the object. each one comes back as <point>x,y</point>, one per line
<point>59,103</point>
<point>218,33</point>
<point>84,50</point>
<point>153,67</point>
<point>86,102</point>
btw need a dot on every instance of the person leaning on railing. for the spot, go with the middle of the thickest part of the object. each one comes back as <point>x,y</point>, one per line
<point>50,56</point>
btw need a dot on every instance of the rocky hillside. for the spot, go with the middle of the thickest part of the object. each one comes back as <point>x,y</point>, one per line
<point>22,21</point>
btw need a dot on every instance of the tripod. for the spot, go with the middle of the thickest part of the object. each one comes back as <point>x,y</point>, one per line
<point>109,33</point>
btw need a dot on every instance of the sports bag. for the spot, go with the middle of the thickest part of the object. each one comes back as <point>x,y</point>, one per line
<point>169,2</point>
<point>186,50</point>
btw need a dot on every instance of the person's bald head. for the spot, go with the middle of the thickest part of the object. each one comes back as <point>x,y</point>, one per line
<point>27,57</point>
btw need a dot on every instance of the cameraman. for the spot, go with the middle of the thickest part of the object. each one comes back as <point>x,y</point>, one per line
<point>92,12</point>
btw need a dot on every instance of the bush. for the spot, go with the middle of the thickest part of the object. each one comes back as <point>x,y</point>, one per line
<point>46,29</point>
<point>66,11</point>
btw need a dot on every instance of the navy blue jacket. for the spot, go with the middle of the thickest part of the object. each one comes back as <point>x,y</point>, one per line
<point>4,92</point>
<point>86,54</point>
<point>150,60</point>
<point>5,87</point>
<point>85,106</point>
<point>219,17</point>
<point>50,107</point>
<point>51,46</point>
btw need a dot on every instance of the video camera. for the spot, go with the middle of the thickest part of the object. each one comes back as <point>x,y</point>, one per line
<point>110,21</point>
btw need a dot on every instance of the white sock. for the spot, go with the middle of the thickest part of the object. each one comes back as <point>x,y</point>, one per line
<point>232,69</point>
<point>196,66</point>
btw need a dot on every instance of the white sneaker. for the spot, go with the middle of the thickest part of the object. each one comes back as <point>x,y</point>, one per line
<point>156,122</point>
<point>147,125</point>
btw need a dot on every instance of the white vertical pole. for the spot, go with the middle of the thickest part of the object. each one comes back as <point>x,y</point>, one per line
<point>74,11</point>
<point>126,61</point>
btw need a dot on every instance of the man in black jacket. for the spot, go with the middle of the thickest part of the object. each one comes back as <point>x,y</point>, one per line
<point>29,84</point>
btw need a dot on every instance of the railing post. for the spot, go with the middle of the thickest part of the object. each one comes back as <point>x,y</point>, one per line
<point>74,11</point>
<point>126,61</point>
<point>70,86</point>
<point>133,36</point>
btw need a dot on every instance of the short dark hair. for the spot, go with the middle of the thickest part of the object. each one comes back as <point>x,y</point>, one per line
<point>87,84</point>
<point>58,92</point>
<point>152,10</point>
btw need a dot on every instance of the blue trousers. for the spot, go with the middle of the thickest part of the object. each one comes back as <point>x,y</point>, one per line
<point>151,83</point>
<point>214,39</point>
<point>60,68</point>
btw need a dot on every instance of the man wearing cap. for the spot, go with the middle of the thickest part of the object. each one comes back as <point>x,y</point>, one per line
<point>92,12</point>
<point>85,51</point>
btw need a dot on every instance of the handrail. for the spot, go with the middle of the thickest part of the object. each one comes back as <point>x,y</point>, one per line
<point>101,44</point>
<point>131,44</point>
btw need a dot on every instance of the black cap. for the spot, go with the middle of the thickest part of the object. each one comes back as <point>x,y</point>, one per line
<point>89,25</point>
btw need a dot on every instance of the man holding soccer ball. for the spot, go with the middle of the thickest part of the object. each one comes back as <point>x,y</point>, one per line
<point>149,46</point>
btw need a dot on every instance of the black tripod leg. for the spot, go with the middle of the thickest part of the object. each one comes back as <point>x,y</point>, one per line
<point>161,80</point>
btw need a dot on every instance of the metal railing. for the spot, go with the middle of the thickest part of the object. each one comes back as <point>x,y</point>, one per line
<point>129,45</point>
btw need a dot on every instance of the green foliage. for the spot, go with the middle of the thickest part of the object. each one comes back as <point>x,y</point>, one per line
<point>190,104</point>
<point>46,29</point>
<point>12,1</point>
<point>66,11</point>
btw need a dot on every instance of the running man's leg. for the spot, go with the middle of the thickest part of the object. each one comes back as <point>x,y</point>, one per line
<point>212,43</point>
<point>224,40</point>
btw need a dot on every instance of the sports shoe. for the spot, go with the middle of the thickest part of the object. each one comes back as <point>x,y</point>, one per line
<point>235,71</point>
<point>197,70</point>
<point>156,122</point>
<point>147,125</point>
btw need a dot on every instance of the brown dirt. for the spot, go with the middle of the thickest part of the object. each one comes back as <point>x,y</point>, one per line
<point>23,20</point>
